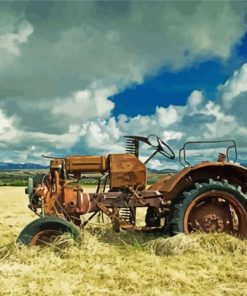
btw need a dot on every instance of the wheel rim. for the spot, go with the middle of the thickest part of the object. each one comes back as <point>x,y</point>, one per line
<point>215,211</point>
<point>44,237</point>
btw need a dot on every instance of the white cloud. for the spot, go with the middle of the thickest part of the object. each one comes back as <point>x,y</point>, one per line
<point>10,42</point>
<point>172,135</point>
<point>150,36</point>
<point>50,94</point>
<point>85,104</point>
<point>160,164</point>
<point>135,40</point>
<point>200,119</point>
<point>102,135</point>
<point>8,133</point>
<point>167,116</point>
<point>195,101</point>
<point>63,141</point>
<point>12,137</point>
<point>203,36</point>
<point>234,86</point>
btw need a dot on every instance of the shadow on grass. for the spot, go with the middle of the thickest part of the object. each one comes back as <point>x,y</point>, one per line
<point>129,239</point>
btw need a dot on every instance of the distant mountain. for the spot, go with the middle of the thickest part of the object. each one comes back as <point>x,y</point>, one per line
<point>164,171</point>
<point>21,166</point>
<point>34,166</point>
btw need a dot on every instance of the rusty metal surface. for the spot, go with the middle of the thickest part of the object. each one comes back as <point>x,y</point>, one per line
<point>127,176</point>
<point>126,170</point>
<point>61,199</point>
<point>75,201</point>
<point>45,237</point>
<point>221,157</point>
<point>210,216</point>
<point>55,163</point>
<point>204,170</point>
<point>216,211</point>
<point>75,164</point>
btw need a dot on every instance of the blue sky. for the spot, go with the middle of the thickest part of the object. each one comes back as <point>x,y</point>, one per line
<point>173,87</point>
<point>76,77</point>
<point>170,88</point>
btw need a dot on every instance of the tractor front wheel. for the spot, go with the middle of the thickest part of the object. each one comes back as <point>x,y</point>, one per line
<point>44,230</point>
<point>211,207</point>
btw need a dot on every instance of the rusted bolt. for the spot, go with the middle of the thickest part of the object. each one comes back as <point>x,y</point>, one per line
<point>72,204</point>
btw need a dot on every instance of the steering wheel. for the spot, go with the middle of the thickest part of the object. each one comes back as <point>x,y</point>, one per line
<point>160,146</point>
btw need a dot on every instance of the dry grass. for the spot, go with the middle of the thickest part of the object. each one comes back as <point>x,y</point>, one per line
<point>106,263</point>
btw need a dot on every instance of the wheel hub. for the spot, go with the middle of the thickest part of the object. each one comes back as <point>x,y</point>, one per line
<point>215,210</point>
<point>44,237</point>
<point>211,216</point>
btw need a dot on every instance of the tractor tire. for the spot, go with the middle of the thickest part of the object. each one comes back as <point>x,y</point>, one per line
<point>216,206</point>
<point>44,230</point>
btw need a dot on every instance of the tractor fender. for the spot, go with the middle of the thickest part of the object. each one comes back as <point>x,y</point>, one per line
<point>46,223</point>
<point>236,174</point>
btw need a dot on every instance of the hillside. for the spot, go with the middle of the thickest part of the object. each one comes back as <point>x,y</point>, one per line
<point>19,177</point>
<point>21,166</point>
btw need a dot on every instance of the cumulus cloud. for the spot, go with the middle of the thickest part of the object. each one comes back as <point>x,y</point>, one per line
<point>167,116</point>
<point>199,119</point>
<point>233,99</point>
<point>85,104</point>
<point>195,101</point>
<point>234,86</point>
<point>69,60</point>
<point>116,42</point>
<point>8,133</point>
<point>10,42</point>
<point>60,113</point>
<point>102,135</point>
<point>15,31</point>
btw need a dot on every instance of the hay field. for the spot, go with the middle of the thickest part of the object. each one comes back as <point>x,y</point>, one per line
<point>105,263</point>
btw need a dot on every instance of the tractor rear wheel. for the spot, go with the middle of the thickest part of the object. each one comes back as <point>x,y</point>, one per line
<point>211,207</point>
<point>44,230</point>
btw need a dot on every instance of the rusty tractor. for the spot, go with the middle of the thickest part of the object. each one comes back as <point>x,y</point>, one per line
<point>209,196</point>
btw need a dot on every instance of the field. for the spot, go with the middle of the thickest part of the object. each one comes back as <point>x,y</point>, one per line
<point>106,263</point>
